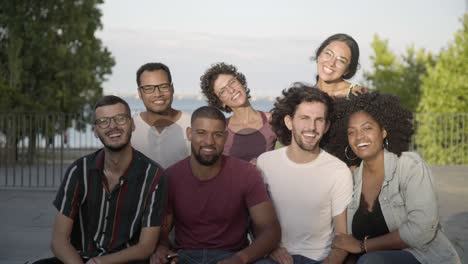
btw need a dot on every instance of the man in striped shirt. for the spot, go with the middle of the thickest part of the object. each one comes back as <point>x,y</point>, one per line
<point>110,202</point>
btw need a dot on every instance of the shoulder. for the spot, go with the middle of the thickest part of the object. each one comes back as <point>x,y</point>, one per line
<point>271,155</point>
<point>237,164</point>
<point>178,167</point>
<point>332,160</point>
<point>184,118</point>
<point>138,156</point>
<point>411,161</point>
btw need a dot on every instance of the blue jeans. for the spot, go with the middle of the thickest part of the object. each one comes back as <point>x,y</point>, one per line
<point>202,256</point>
<point>388,256</point>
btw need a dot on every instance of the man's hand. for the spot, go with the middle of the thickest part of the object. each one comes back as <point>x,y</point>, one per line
<point>347,243</point>
<point>163,255</point>
<point>282,256</point>
<point>94,260</point>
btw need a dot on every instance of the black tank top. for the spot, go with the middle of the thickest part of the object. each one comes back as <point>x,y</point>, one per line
<point>367,223</point>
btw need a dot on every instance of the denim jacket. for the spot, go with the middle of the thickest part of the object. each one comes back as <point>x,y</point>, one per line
<point>409,205</point>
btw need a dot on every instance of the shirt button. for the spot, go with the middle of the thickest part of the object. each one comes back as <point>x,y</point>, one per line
<point>385,198</point>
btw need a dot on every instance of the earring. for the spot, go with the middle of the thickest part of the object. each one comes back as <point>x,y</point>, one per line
<point>346,153</point>
<point>385,145</point>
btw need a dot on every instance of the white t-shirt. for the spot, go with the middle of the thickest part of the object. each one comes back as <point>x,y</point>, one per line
<point>306,197</point>
<point>167,147</point>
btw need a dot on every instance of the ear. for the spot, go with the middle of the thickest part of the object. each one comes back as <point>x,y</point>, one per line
<point>384,133</point>
<point>95,132</point>
<point>288,121</point>
<point>139,94</point>
<point>132,124</point>
<point>188,132</point>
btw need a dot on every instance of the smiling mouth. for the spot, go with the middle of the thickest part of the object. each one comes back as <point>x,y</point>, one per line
<point>158,102</point>
<point>207,150</point>
<point>309,135</point>
<point>363,145</point>
<point>236,95</point>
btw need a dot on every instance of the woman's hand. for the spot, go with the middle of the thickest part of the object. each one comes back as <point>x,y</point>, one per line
<point>347,242</point>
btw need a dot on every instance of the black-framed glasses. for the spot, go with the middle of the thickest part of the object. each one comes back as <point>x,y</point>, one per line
<point>104,122</point>
<point>150,88</point>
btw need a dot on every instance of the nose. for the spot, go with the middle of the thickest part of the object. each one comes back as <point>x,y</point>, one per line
<point>209,140</point>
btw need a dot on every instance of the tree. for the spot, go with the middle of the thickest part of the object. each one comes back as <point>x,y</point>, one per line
<point>444,94</point>
<point>400,76</point>
<point>50,58</point>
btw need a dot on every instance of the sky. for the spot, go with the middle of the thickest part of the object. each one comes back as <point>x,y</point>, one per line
<point>270,41</point>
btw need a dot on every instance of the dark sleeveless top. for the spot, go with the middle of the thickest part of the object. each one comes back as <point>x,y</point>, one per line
<point>367,223</point>
<point>250,146</point>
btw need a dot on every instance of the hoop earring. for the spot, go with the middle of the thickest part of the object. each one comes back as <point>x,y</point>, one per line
<point>346,153</point>
<point>385,144</point>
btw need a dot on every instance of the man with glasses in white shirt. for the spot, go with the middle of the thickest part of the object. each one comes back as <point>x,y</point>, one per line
<point>160,130</point>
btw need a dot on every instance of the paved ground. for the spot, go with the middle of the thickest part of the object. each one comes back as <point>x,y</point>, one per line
<point>27,217</point>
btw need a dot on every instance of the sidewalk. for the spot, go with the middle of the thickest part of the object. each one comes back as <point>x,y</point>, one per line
<point>27,217</point>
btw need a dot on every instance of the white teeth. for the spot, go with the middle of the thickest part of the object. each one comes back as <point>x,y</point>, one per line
<point>363,144</point>
<point>114,135</point>
<point>327,70</point>
<point>158,102</point>
<point>235,96</point>
<point>310,134</point>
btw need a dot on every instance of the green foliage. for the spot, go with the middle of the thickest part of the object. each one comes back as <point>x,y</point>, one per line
<point>50,61</point>
<point>50,58</point>
<point>400,76</point>
<point>444,90</point>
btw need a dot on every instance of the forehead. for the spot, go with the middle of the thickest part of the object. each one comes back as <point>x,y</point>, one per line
<point>222,80</point>
<point>208,124</point>
<point>340,48</point>
<point>110,110</point>
<point>154,77</point>
<point>360,118</point>
<point>316,109</point>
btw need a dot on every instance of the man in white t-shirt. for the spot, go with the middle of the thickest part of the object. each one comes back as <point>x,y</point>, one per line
<point>160,130</point>
<point>309,187</point>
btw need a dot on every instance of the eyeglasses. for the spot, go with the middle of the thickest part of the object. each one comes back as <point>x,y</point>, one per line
<point>162,88</point>
<point>327,55</point>
<point>233,83</point>
<point>104,122</point>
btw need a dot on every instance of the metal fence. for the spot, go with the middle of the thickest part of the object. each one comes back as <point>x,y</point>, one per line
<point>36,149</point>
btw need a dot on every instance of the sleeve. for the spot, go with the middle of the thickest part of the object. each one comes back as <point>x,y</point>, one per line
<point>68,198</point>
<point>342,191</point>
<point>256,191</point>
<point>418,192</point>
<point>156,203</point>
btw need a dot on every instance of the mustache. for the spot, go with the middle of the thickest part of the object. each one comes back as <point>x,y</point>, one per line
<point>118,130</point>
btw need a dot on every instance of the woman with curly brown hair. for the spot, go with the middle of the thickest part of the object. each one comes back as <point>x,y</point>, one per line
<point>337,60</point>
<point>393,215</point>
<point>249,130</point>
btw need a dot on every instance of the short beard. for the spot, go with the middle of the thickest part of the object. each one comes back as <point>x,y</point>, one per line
<point>116,148</point>
<point>205,162</point>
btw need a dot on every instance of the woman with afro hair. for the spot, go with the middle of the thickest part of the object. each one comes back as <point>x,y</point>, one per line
<point>249,131</point>
<point>393,215</point>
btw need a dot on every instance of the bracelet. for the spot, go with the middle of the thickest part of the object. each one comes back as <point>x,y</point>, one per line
<point>362,246</point>
<point>365,243</point>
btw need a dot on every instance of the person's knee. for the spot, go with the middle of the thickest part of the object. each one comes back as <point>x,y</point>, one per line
<point>370,258</point>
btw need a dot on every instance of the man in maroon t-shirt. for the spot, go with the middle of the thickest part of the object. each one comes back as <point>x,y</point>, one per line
<point>211,198</point>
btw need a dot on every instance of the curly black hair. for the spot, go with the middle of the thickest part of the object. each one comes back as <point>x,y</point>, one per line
<point>287,104</point>
<point>209,77</point>
<point>385,109</point>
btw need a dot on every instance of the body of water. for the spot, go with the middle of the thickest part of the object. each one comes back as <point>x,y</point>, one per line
<point>190,104</point>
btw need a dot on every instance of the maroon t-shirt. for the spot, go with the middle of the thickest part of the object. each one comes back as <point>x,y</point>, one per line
<point>213,214</point>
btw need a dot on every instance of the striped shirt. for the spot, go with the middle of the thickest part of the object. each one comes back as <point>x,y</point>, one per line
<point>106,222</point>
